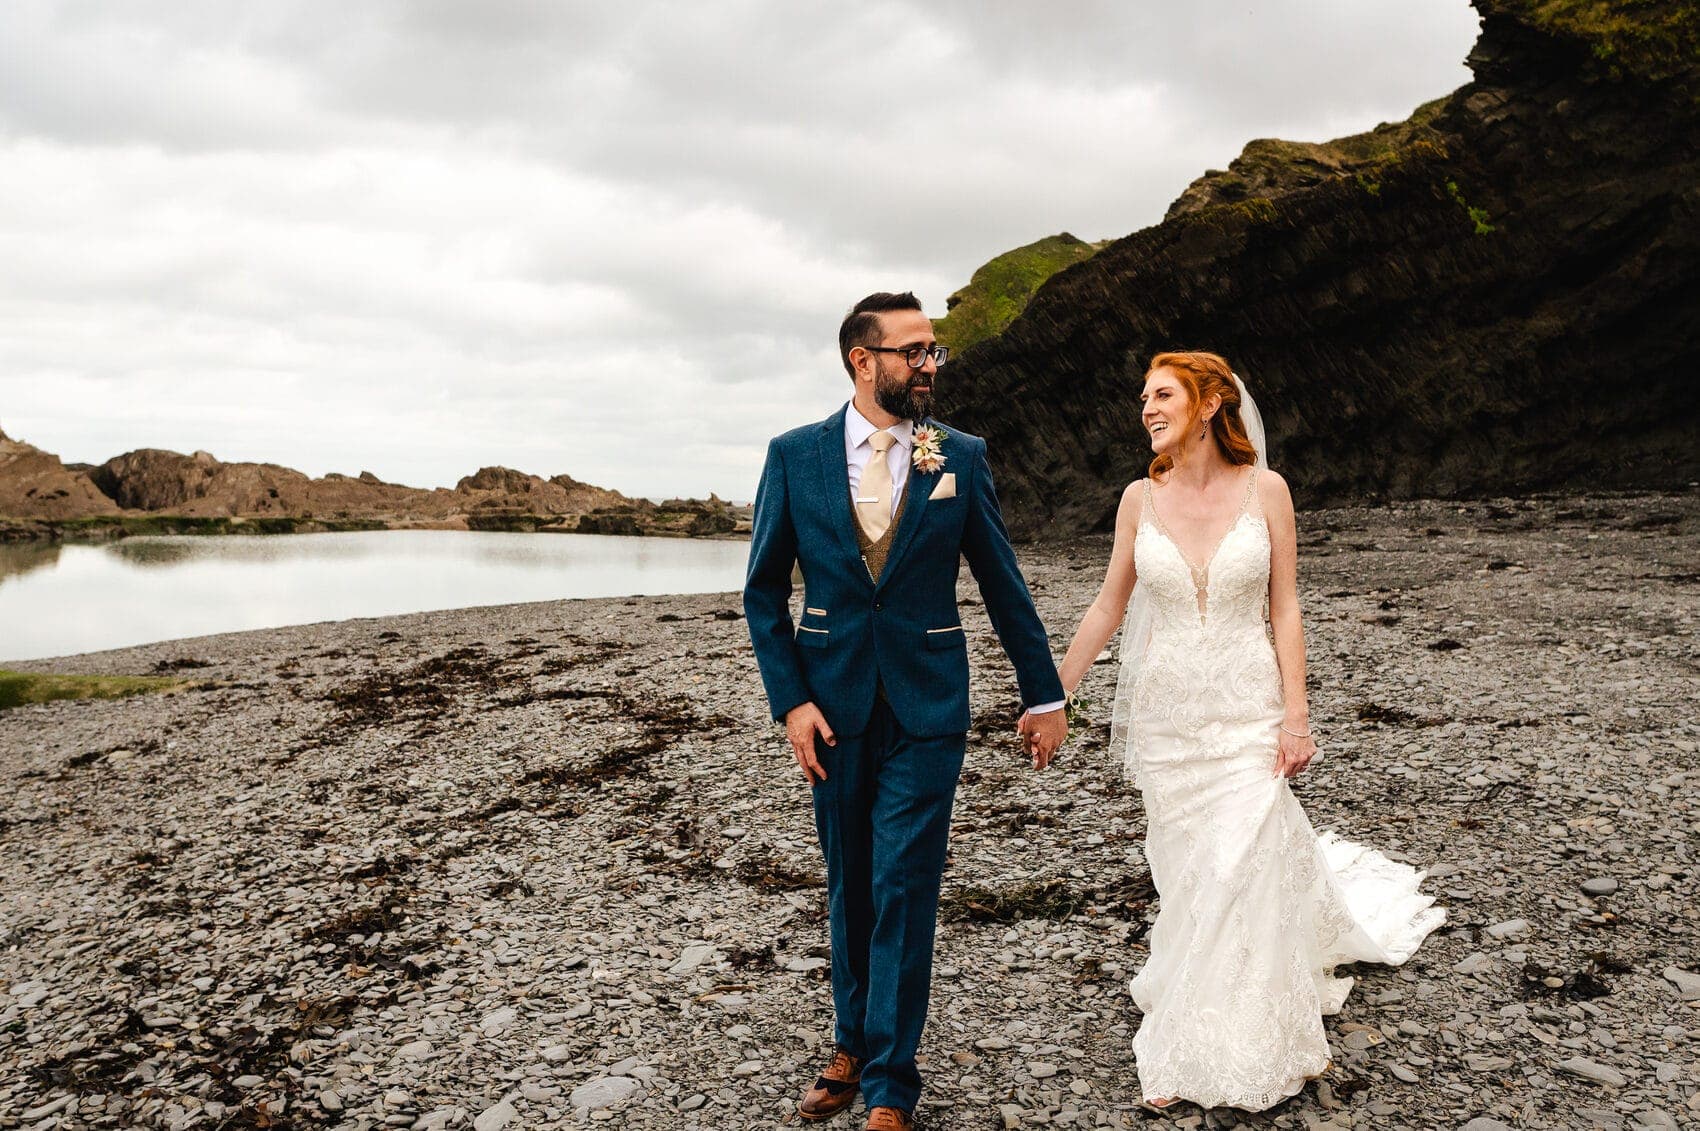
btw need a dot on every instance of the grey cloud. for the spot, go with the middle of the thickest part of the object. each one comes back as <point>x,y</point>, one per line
<point>417,235</point>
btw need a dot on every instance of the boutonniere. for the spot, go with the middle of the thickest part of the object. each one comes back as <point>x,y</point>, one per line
<point>926,455</point>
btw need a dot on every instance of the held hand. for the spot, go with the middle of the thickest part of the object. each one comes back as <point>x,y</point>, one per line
<point>1295,753</point>
<point>1042,735</point>
<point>802,723</point>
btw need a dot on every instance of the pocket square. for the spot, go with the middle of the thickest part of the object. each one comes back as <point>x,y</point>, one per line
<point>945,488</point>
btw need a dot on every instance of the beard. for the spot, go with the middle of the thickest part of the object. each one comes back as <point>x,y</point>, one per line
<point>897,395</point>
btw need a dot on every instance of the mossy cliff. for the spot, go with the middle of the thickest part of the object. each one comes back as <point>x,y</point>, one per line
<point>1001,289</point>
<point>1500,294</point>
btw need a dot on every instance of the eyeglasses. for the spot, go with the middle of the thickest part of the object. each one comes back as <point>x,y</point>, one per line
<point>916,356</point>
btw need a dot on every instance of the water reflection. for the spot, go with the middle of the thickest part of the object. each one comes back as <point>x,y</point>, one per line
<point>19,558</point>
<point>151,551</point>
<point>80,598</point>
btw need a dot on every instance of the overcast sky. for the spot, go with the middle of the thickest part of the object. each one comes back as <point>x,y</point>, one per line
<point>417,237</point>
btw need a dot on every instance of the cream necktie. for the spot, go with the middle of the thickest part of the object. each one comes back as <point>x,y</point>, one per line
<point>873,494</point>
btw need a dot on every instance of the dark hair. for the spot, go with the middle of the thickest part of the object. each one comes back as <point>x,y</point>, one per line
<point>861,327</point>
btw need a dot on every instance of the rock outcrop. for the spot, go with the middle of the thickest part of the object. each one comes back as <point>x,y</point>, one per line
<point>999,290</point>
<point>202,486</point>
<point>499,488</point>
<point>1500,295</point>
<point>37,492</point>
<point>34,484</point>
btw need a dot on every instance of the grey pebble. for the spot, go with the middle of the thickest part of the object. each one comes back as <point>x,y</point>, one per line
<point>494,1118</point>
<point>1686,983</point>
<point>1592,1070</point>
<point>604,1092</point>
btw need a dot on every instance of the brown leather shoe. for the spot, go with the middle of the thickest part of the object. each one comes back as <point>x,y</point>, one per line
<point>889,1119</point>
<point>834,1089</point>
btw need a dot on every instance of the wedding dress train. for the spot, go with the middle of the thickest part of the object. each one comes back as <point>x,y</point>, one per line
<point>1255,909</point>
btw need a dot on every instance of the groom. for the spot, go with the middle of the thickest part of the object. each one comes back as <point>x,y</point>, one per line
<point>878,505</point>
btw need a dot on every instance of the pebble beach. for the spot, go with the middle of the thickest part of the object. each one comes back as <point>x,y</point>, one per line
<point>550,865</point>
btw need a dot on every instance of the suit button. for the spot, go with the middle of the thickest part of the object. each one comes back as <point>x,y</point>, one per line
<point>878,606</point>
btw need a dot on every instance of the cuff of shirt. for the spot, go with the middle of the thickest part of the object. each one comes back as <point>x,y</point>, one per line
<point>1047,708</point>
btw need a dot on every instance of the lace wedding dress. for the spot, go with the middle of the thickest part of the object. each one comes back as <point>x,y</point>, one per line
<point>1255,910</point>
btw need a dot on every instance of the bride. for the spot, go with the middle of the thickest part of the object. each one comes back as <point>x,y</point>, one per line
<point>1255,910</point>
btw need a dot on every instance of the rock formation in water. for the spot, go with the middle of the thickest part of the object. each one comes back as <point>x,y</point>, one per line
<point>37,489</point>
<point>1501,294</point>
<point>34,484</point>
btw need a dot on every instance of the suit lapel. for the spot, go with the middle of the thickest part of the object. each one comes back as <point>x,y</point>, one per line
<point>917,491</point>
<point>835,478</point>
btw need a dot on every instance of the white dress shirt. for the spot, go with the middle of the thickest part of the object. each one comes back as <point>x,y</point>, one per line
<point>857,453</point>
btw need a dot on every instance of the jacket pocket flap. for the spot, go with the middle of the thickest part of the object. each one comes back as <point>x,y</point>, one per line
<point>945,637</point>
<point>812,637</point>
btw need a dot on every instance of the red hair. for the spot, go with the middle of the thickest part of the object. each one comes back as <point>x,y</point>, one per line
<point>1201,375</point>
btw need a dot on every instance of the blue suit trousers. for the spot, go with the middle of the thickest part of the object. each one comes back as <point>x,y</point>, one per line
<point>883,819</point>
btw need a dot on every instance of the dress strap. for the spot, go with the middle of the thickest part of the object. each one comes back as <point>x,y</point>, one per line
<point>1250,491</point>
<point>1148,513</point>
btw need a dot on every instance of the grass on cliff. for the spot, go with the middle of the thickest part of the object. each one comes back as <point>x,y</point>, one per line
<point>999,290</point>
<point>1268,168</point>
<point>1656,40</point>
<point>19,688</point>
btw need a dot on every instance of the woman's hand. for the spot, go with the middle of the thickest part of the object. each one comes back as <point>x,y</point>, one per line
<point>1295,753</point>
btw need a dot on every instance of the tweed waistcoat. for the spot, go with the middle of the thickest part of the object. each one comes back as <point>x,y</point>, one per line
<point>874,552</point>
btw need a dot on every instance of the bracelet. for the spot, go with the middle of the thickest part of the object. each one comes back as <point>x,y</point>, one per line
<point>1295,733</point>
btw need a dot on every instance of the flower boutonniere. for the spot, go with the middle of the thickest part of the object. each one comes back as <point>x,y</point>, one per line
<point>926,455</point>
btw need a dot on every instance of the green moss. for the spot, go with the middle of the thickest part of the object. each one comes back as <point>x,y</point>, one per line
<point>1655,40</point>
<point>1478,216</point>
<point>1000,290</point>
<point>1269,168</point>
<point>19,688</point>
<point>1257,210</point>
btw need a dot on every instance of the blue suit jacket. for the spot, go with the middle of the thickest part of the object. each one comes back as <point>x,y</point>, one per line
<point>905,630</point>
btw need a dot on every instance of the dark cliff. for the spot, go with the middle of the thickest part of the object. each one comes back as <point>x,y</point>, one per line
<point>1500,295</point>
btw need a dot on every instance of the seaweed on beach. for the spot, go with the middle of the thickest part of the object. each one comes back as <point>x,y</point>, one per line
<point>91,757</point>
<point>424,691</point>
<point>181,664</point>
<point>1039,899</point>
<point>247,1050</point>
<point>660,724</point>
<point>1392,716</point>
<point>382,916</point>
<point>1057,899</point>
<point>554,694</point>
<point>100,1063</point>
<point>767,872</point>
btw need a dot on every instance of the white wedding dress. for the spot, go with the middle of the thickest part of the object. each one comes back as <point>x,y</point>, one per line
<point>1255,910</point>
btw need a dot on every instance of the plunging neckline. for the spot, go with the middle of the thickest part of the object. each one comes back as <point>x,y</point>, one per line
<point>1200,574</point>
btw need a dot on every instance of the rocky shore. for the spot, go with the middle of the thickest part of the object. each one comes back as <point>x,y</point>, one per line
<point>153,491</point>
<point>548,865</point>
